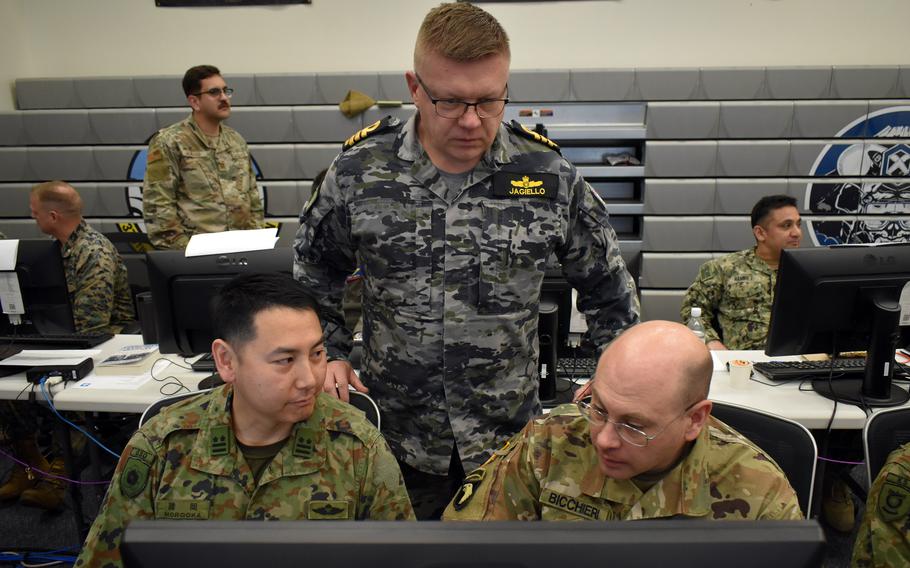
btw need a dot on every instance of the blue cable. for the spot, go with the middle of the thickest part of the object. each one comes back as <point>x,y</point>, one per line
<point>87,435</point>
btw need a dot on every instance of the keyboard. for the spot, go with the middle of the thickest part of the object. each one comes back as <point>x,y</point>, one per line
<point>805,370</point>
<point>576,367</point>
<point>204,364</point>
<point>56,340</point>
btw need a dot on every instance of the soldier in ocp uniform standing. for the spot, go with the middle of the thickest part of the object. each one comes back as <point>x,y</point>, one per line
<point>737,290</point>
<point>268,445</point>
<point>199,175</point>
<point>453,215</point>
<point>644,447</point>
<point>883,540</point>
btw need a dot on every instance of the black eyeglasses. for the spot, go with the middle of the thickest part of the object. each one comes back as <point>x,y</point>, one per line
<point>216,92</point>
<point>454,108</point>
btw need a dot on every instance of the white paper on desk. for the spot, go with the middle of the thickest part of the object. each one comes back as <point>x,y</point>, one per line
<point>112,382</point>
<point>232,241</point>
<point>9,252</point>
<point>36,357</point>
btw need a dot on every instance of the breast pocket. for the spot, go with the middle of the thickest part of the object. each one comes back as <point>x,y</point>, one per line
<point>395,244</point>
<point>517,237</point>
<point>197,174</point>
<point>748,300</point>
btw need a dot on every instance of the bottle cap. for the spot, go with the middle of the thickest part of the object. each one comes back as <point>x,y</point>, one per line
<point>696,312</point>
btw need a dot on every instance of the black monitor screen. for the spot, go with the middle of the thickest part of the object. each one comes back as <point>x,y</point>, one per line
<point>629,544</point>
<point>182,288</point>
<point>836,299</point>
<point>42,283</point>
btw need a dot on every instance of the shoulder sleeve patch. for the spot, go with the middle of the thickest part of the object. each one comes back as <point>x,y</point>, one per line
<point>375,128</point>
<point>526,132</point>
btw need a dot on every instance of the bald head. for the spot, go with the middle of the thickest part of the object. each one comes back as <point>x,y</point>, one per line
<point>58,196</point>
<point>659,356</point>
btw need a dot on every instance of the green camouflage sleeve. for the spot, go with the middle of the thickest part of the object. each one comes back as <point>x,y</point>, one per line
<point>129,496</point>
<point>159,197</point>
<point>384,487</point>
<point>705,293</point>
<point>883,539</point>
<point>505,487</point>
<point>93,298</point>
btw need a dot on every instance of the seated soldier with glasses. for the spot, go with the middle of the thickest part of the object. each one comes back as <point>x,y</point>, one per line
<point>644,447</point>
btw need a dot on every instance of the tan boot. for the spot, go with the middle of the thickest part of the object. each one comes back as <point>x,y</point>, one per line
<point>49,492</point>
<point>23,478</point>
<point>837,507</point>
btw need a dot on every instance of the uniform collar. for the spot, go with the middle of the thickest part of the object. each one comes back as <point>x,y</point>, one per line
<point>683,491</point>
<point>755,261</point>
<point>202,136</point>
<point>67,248</point>
<point>215,448</point>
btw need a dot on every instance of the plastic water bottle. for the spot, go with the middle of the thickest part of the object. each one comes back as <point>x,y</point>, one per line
<point>695,323</point>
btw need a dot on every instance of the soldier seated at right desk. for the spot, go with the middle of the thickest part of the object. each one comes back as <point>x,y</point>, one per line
<point>268,445</point>
<point>883,539</point>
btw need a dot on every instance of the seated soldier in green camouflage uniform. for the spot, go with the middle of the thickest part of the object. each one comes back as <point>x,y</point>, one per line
<point>268,445</point>
<point>883,539</point>
<point>644,447</point>
<point>199,176</point>
<point>735,291</point>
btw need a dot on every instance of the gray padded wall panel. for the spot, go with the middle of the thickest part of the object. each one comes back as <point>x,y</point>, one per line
<point>264,124</point>
<point>883,104</point>
<point>21,229</point>
<point>393,87</point>
<point>71,164</point>
<point>603,84</point>
<point>332,87</point>
<point>45,93</point>
<point>535,85</point>
<point>824,119</point>
<point>797,189</point>
<point>324,124</point>
<point>661,304</point>
<point>904,81</point>
<point>244,89</point>
<point>105,92</point>
<point>110,200</point>
<point>113,163</point>
<point>375,113</point>
<point>14,164</point>
<point>677,233</point>
<point>313,158</point>
<point>756,119</point>
<point>732,233</point>
<point>680,159</point>
<point>56,127</point>
<point>798,82</point>
<point>753,157</point>
<point>867,82</point>
<point>732,83</point>
<point>804,154</point>
<point>14,197</point>
<point>738,196</point>
<point>116,126</point>
<point>676,120</point>
<point>679,196</point>
<point>276,161</point>
<point>670,270</point>
<point>666,84</point>
<point>286,198</point>
<point>12,132</point>
<point>168,116</point>
<point>287,89</point>
<point>159,91</point>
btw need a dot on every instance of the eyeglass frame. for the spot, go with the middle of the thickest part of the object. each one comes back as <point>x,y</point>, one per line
<point>466,104</point>
<point>216,92</point>
<point>586,409</point>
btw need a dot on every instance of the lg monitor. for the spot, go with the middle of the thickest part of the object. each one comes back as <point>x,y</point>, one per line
<point>45,298</point>
<point>630,544</point>
<point>836,299</point>
<point>182,288</point>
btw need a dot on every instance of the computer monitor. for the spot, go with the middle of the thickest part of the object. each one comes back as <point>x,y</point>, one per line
<point>836,299</point>
<point>42,283</point>
<point>182,288</point>
<point>630,544</point>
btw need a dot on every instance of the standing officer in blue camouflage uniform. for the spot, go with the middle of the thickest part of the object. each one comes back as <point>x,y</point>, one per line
<point>737,289</point>
<point>453,216</point>
<point>268,445</point>
<point>199,176</point>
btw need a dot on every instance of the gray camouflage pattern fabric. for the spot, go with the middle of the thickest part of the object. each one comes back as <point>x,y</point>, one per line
<point>194,185</point>
<point>451,289</point>
<point>185,464</point>
<point>735,290</point>
<point>550,471</point>
<point>97,282</point>
<point>883,539</point>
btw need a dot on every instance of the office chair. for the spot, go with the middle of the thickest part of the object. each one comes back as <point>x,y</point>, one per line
<point>788,443</point>
<point>884,432</point>
<point>359,400</point>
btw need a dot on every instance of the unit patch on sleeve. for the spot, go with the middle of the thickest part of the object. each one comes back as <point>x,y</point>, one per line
<point>507,184</point>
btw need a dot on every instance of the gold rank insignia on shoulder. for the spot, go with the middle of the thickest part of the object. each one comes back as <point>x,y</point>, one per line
<point>525,186</point>
<point>526,132</point>
<point>363,134</point>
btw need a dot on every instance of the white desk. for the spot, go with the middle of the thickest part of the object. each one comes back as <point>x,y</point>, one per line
<point>786,399</point>
<point>66,397</point>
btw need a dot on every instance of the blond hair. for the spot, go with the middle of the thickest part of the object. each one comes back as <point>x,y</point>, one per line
<point>462,32</point>
<point>58,196</point>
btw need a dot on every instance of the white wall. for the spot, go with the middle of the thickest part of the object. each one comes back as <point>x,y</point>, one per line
<point>50,38</point>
